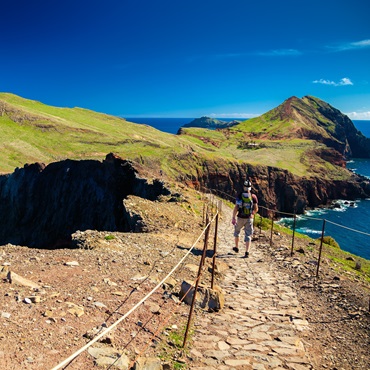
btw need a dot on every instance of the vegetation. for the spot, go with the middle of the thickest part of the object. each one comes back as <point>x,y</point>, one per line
<point>172,349</point>
<point>35,132</point>
<point>330,241</point>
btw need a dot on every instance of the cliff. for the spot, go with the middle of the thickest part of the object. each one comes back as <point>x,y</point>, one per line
<point>277,189</point>
<point>41,206</point>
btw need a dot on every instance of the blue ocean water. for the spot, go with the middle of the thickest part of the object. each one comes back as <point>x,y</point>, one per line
<point>363,126</point>
<point>348,224</point>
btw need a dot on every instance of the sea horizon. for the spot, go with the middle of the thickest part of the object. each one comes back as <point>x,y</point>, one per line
<point>172,125</point>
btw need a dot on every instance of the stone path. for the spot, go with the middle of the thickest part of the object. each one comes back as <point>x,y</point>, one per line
<point>261,326</point>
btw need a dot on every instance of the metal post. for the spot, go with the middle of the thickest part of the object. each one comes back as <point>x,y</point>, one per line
<point>322,237</point>
<point>214,252</point>
<point>272,228</point>
<point>291,252</point>
<point>197,282</point>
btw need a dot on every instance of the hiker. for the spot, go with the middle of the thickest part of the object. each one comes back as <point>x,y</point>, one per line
<point>246,207</point>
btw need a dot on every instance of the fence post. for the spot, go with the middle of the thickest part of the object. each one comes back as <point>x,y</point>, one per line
<point>272,228</point>
<point>214,251</point>
<point>294,221</point>
<point>321,241</point>
<point>197,281</point>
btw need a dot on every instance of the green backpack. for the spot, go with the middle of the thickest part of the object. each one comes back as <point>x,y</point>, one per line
<point>245,206</point>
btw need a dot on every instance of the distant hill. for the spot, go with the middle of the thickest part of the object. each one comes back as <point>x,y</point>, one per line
<point>210,123</point>
<point>312,119</point>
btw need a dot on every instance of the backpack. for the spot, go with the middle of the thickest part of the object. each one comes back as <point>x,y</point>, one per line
<point>245,206</point>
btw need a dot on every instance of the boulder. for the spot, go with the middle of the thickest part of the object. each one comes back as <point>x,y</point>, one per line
<point>212,299</point>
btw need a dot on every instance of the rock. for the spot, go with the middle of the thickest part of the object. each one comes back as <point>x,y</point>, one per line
<point>220,267</point>
<point>75,309</point>
<point>154,308</point>
<point>99,305</point>
<point>19,280</point>
<point>213,299</point>
<point>35,299</point>
<point>170,283</point>
<point>72,263</point>
<point>148,363</point>
<point>48,313</point>
<point>109,357</point>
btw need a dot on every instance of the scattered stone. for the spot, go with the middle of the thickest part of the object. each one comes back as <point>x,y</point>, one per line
<point>75,309</point>
<point>19,280</point>
<point>35,299</point>
<point>99,305</point>
<point>72,264</point>
<point>148,363</point>
<point>108,356</point>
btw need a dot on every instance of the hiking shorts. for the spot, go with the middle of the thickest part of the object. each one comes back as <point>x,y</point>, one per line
<point>247,223</point>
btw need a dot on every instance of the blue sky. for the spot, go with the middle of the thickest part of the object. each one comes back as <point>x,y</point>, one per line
<point>171,58</point>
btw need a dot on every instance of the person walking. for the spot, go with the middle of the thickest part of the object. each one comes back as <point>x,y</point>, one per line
<point>246,207</point>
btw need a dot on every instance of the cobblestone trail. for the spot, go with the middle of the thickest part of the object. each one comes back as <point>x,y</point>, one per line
<point>261,326</point>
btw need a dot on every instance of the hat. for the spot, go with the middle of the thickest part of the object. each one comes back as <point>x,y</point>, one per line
<point>247,184</point>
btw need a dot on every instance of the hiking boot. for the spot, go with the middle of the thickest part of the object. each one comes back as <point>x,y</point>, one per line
<point>236,250</point>
<point>246,254</point>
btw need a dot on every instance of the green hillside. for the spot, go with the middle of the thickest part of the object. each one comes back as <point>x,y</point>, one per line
<point>35,132</point>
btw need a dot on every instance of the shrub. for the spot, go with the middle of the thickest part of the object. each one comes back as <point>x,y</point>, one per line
<point>330,241</point>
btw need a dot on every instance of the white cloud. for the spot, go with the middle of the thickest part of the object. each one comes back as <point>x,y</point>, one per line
<point>359,115</point>
<point>363,44</point>
<point>343,82</point>
<point>280,53</point>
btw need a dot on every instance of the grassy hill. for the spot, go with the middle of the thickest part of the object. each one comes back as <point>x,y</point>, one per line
<point>286,137</point>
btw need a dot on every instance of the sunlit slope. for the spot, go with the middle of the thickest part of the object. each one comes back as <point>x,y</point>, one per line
<point>32,131</point>
<point>35,132</point>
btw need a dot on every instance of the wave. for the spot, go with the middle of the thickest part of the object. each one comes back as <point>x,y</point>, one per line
<point>308,231</point>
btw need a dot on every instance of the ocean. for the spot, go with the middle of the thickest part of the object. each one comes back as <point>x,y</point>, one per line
<point>348,224</point>
<point>171,125</point>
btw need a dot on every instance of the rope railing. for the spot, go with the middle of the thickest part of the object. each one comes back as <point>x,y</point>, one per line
<point>128,313</point>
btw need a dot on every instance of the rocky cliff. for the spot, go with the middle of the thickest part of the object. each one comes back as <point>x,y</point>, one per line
<point>278,189</point>
<point>41,206</point>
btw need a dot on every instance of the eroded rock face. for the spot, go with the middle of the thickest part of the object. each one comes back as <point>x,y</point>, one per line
<point>41,206</point>
<point>278,189</point>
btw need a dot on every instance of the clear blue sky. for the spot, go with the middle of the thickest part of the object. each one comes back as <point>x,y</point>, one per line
<point>170,58</point>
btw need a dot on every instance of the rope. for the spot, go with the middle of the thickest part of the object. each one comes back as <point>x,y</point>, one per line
<point>348,228</point>
<point>74,355</point>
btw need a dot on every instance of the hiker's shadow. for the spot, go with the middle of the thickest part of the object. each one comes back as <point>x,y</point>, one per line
<point>209,252</point>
